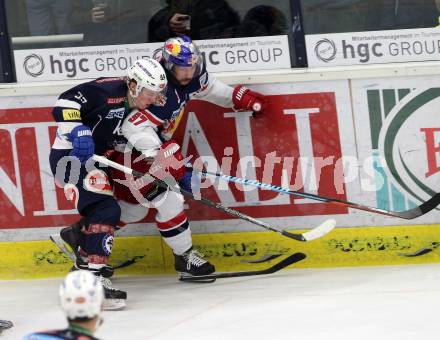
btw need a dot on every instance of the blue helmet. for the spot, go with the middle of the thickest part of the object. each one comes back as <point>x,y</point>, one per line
<point>180,51</point>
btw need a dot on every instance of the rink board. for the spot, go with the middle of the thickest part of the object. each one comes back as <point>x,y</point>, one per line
<point>232,251</point>
<point>374,141</point>
<point>385,128</point>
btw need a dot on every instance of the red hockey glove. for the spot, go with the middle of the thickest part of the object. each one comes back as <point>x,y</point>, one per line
<point>169,162</point>
<point>245,99</point>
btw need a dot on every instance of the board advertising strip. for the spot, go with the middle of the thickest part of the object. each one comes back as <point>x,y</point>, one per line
<point>221,55</point>
<point>399,245</point>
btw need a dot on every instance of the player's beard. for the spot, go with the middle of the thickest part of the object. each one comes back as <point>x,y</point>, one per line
<point>185,81</point>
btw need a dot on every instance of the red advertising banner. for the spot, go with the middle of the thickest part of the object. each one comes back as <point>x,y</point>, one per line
<point>296,143</point>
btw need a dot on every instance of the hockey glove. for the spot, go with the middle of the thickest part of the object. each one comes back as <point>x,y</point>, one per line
<point>185,182</point>
<point>83,144</point>
<point>169,162</point>
<point>191,181</point>
<point>245,99</point>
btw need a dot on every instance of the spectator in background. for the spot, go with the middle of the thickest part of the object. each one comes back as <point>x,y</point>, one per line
<point>110,22</point>
<point>263,20</point>
<point>337,16</point>
<point>406,14</point>
<point>200,19</point>
<point>18,25</point>
<point>49,17</point>
<point>437,4</point>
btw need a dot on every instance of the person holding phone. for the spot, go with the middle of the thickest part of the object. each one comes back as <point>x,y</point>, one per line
<point>205,19</point>
<point>180,23</point>
<point>98,12</point>
<point>107,22</point>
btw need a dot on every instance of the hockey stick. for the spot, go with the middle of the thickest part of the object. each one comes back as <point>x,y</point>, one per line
<point>276,267</point>
<point>56,239</point>
<point>313,234</point>
<point>422,209</point>
<point>422,251</point>
<point>5,324</point>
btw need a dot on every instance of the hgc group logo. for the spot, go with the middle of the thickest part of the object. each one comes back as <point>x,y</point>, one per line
<point>325,50</point>
<point>33,65</point>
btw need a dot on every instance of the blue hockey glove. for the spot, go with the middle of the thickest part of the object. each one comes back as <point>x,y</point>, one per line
<point>185,182</point>
<point>83,144</point>
<point>190,182</point>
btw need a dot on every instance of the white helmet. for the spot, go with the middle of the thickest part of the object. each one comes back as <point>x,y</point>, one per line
<point>149,74</point>
<point>81,295</point>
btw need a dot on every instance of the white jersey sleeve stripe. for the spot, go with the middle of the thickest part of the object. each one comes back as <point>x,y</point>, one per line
<point>61,141</point>
<point>68,103</point>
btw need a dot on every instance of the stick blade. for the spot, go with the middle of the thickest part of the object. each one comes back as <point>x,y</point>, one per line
<point>296,257</point>
<point>321,230</point>
<point>430,204</point>
<point>419,252</point>
<point>286,262</point>
<point>422,209</point>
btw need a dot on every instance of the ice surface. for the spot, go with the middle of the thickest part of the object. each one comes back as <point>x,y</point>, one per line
<point>390,302</point>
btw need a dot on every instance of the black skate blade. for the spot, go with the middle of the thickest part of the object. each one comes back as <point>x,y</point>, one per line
<point>276,267</point>
<point>185,277</point>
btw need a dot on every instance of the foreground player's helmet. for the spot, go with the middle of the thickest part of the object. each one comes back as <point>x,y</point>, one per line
<point>81,295</point>
<point>182,52</point>
<point>149,74</point>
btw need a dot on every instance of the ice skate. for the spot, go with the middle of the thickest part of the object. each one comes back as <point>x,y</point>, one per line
<point>114,298</point>
<point>192,263</point>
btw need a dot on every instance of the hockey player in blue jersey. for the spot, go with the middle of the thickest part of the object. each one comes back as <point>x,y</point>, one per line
<point>149,133</point>
<point>89,118</point>
<point>81,297</point>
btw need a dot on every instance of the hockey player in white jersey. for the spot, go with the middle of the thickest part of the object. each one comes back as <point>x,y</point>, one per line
<point>149,133</point>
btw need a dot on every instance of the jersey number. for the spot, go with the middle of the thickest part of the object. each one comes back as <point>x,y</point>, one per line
<point>138,118</point>
<point>81,97</point>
